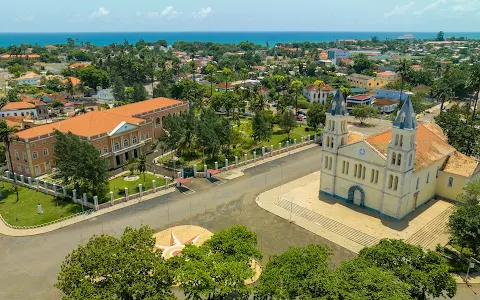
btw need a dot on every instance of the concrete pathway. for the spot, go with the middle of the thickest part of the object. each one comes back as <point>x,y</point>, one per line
<point>346,224</point>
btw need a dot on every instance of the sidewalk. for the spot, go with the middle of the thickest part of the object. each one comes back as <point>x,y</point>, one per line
<point>346,224</point>
<point>229,175</point>
<point>238,172</point>
<point>5,230</point>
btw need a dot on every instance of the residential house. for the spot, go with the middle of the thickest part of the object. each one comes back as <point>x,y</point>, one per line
<point>20,108</point>
<point>221,87</point>
<point>385,105</point>
<point>393,94</point>
<point>335,55</point>
<point>34,57</point>
<point>361,81</point>
<point>353,101</point>
<point>384,78</point>
<point>314,93</point>
<point>118,134</point>
<point>40,106</point>
<point>29,78</point>
<point>104,95</point>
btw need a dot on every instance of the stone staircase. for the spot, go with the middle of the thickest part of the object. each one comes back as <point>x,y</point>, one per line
<point>426,235</point>
<point>327,223</point>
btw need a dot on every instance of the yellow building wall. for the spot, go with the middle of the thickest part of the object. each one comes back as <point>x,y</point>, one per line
<point>450,192</point>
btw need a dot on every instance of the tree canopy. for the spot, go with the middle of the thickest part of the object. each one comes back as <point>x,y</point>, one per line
<point>117,268</point>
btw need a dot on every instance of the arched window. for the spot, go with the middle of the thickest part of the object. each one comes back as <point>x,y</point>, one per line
<point>134,139</point>
<point>418,183</point>
<point>125,143</point>
<point>401,140</point>
<point>390,181</point>
<point>399,159</point>
<point>116,147</point>
<point>394,158</point>
<point>326,162</point>
<point>450,182</point>
<point>158,122</point>
<point>35,155</point>
<point>395,183</point>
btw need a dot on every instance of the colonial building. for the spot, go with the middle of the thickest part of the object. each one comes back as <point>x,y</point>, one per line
<point>314,93</point>
<point>393,172</point>
<point>118,134</point>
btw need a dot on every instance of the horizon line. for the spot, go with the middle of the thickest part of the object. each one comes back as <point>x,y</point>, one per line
<point>229,31</point>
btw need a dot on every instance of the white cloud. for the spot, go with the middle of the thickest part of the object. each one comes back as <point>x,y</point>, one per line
<point>429,7</point>
<point>202,13</point>
<point>101,12</point>
<point>169,13</point>
<point>399,10</point>
<point>26,18</point>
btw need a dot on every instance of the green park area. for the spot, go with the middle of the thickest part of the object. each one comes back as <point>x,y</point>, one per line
<point>25,213</point>
<point>118,185</point>
<point>242,143</point>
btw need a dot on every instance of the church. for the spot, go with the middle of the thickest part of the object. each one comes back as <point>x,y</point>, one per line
<point>393,172</point>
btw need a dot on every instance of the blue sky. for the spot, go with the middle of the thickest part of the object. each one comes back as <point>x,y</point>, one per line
<point>247,15</point>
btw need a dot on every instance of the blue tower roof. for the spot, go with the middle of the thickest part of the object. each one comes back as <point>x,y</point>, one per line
<point>406,116</point>
<point>337,107</point>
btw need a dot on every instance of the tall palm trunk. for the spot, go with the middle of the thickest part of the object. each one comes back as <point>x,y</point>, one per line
<point>475,105</point>
<point>7,145</point>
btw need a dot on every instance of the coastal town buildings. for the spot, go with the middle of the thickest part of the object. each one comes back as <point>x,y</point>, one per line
<point>314,93</point>
<point>335,55</point>
<point>355,100</point>
<point>393,172</point>
<point>118,134</point>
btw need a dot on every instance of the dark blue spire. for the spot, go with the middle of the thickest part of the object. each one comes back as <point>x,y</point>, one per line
<point>337,107</point>
<point>406,116</point>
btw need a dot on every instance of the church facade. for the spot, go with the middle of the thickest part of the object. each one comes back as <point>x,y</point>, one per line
<point>393,172</point>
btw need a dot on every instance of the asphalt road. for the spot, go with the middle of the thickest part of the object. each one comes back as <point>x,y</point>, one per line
<point>29,265</point>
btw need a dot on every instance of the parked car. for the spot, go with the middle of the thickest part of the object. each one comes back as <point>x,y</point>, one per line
<point>299,118</point>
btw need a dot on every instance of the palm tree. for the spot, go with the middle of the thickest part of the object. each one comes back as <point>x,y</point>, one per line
<point>70,88</point>
<point>473,83</point>
<point>403,69</point>
<point>141,166</point>
<point>297,86</point>
<point>226,72</point>
<point>7,134</point>
<point>211,70</point>
<point>442,91</point>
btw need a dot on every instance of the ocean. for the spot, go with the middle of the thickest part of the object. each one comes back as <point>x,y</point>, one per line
<point>106,38</point>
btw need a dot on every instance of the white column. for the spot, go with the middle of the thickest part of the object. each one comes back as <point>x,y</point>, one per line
<point>140,190</point>
<point>111,198</point>
<point>74,192</point>
<point>154,186</point>
<point>29,180</point>
<point>216,165</point>
<point>182,173</point>
<point>245,158</point>
<point>302,139</point>
<point>126,194</point>
<point>308,138</point>
<point>226,163</point>
<point>64,188</point>
<point>95,202</point>
<point>236,161</point>
<point>288,144</point>
<point>194,170</point>
<point>315,137</point>
<point>38,183</point>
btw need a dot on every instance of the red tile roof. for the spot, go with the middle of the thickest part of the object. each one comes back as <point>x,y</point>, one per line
<point>17,106</point>
<point>144,106</point>
<point>430,147</point>
<point>460,164</point>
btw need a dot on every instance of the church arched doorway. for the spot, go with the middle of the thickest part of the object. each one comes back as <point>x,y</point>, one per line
<point>356,195</point>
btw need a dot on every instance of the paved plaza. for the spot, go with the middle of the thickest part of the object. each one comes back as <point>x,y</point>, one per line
<point>351,226</point>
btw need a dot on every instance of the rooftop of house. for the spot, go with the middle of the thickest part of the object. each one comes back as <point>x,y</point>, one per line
<point>79,65</point>
<point>29,75</point>
<point>324,87</point>
<point>17,106</point>
<point>359,97</point>
<point>222,85</point>
<point>386,73</point>
<point>143,106</point>
<point>384,102</point>
<point>86,125</point>
<point>75,81</point>
<point>360,76</point>
<point>99,122</point>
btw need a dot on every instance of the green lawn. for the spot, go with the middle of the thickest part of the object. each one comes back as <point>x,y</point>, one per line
<point>24,212</point>
<point>118,185</point>
<point>246,147</point>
